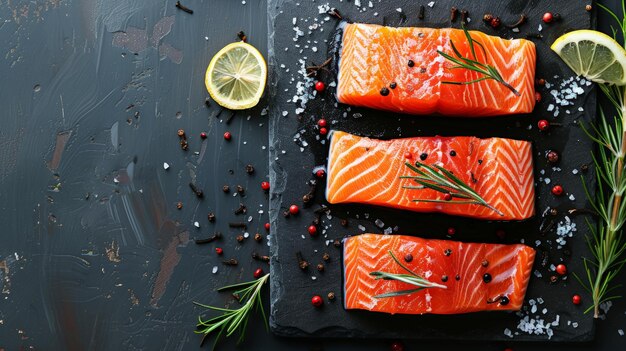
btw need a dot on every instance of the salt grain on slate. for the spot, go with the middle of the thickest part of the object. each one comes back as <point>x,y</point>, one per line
<point>214,270</point>
<point>361,228</point>
<point>165,165</point>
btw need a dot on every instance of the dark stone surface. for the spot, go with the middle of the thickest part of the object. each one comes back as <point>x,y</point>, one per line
<point>293,161</point>
<point>65,87</point>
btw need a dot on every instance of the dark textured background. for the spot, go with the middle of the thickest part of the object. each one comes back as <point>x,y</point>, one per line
<point>81,175</point>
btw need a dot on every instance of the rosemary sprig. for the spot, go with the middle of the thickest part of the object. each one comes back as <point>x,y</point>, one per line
<point>606,242</point>
<point>231,320</point>
<point>472,64</point>
<point>411,278</point>
<point>440,179</point>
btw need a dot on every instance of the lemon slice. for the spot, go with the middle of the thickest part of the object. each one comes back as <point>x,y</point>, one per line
<point>236,76</point>
<point>593,55</point>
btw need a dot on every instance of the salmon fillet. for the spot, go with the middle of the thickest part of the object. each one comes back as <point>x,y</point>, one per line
<point>367,171</point>
<point>460,270</point>
<point>373,56</point>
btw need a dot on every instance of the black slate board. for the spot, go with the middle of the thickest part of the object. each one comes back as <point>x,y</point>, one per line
<point>295,150</point>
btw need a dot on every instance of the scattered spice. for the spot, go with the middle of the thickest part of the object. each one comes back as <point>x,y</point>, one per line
<point>408,155</point>
<point>258,257</point>
<point>584,167</point>
<point>576,299</point>
<point>312,230</point>
<point>227,136</point>
<point>317,301</point>
<point>457,277</point>
<point>484,263</point>
<point>541,81</point>
<point>408,258</point>
<point>183,8</point>
<point>384,91</point>
<point>420,13</point>
<point>323,131</point>
<point>519,22</point>
<point>320,267</point>
<point>557,190</point>
<point>447,252</point>
<point>337,243</point>
<point>215,236</point>
<point>335,13</point>
<point>250,169</point>
<point>453,13</point>
<point>321,122</point>
<point>423,156</point>
<point>231,262</point>
<point>207,102</point>
<point>422,70</point>
<point>452,153</point>
<point>487,18</point>
<point>294,209</point>
<point>319,86</point>
<point>179,205</point>
<point>258,273</point>
<point>211,217</point>
<point>393,85</point>
<point>344,222</point>
<point>451,231</point>
<point>552,156</point>
<point>302,263</point>
<point>331,296</point>
<point>553,279</point>
<point>219,251</point>
<point>411,63</point>
<point>588,8</point>
<point>487,278</point>
<point>537,96</point>
<point>242,209</point>
<point>447,196</point>
<point>554,211</point>
<point>183,139</point>
<point>495,22</point>
<point>561,269</point>
<point>464,15</point>
<point>240,190</point>
<point>320,173</point>
<point>196,190</point>
<point>326,257</point>
<point>203,135</point>
<point>547,17</point>
<point>444,278</point>
<point>239,238</point>
<point>242,36</point>
<point>226,188</point>
<point>267,226</point>
<point>543,125</point>
<point>258,237</point>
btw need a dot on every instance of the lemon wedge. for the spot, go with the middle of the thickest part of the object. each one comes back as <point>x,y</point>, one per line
<point>236,76</point>
<point>593,55</point>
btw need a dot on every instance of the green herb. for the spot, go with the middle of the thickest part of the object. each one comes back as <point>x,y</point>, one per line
<point>472,64</point>
<point>231,320</point>
<point>440,179</point>
<point>411,278</point>
<point>606,242</point>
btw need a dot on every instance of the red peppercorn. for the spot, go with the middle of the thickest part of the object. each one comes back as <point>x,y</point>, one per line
<point>312,230</point>
<point>495,22</point>
<point>397,346</point>
<point>547,17</point>
<point>317,301</point>
<point>319,86</point>
<point>320,173</point>
<point>561,269</point>
<point>543,125</point>
<point>203,135</point>
<point>408,155</point>
<point>227,136</point>
<point>323,131</point>
<point>267,226</point>
<point>553,157</point>
<point>258,273</point>
<point>321,122</point>
<point>576,299</point>
<point>447,196</point>
<point>265,186</point>
<point>451,231</point>
<point>538,96</point>
<point>294,209</point>
<point>219,251</point>
<point>557,190</point>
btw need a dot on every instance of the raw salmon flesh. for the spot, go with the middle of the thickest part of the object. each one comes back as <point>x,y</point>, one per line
<point>476,277</point>
<point>373,57</point>
<point>367,171</point>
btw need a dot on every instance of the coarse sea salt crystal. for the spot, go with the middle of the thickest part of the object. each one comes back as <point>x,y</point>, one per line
<point>214,270</point>
<point>571,197</point>
<point>379,223</point>
<point>196,224</point>
<point>361,228</point>
<point>431,4</point>
<point>620,332</point>
<point>165,165</point>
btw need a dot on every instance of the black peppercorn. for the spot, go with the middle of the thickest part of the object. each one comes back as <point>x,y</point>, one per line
<point>423,156</point>
<point>452,153</point>
<point>408,258</point>
<point>393,85</point>
<point>384,91</point>
<point>487,278</point>
<point>444,278</point>
<point>411,63</point>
